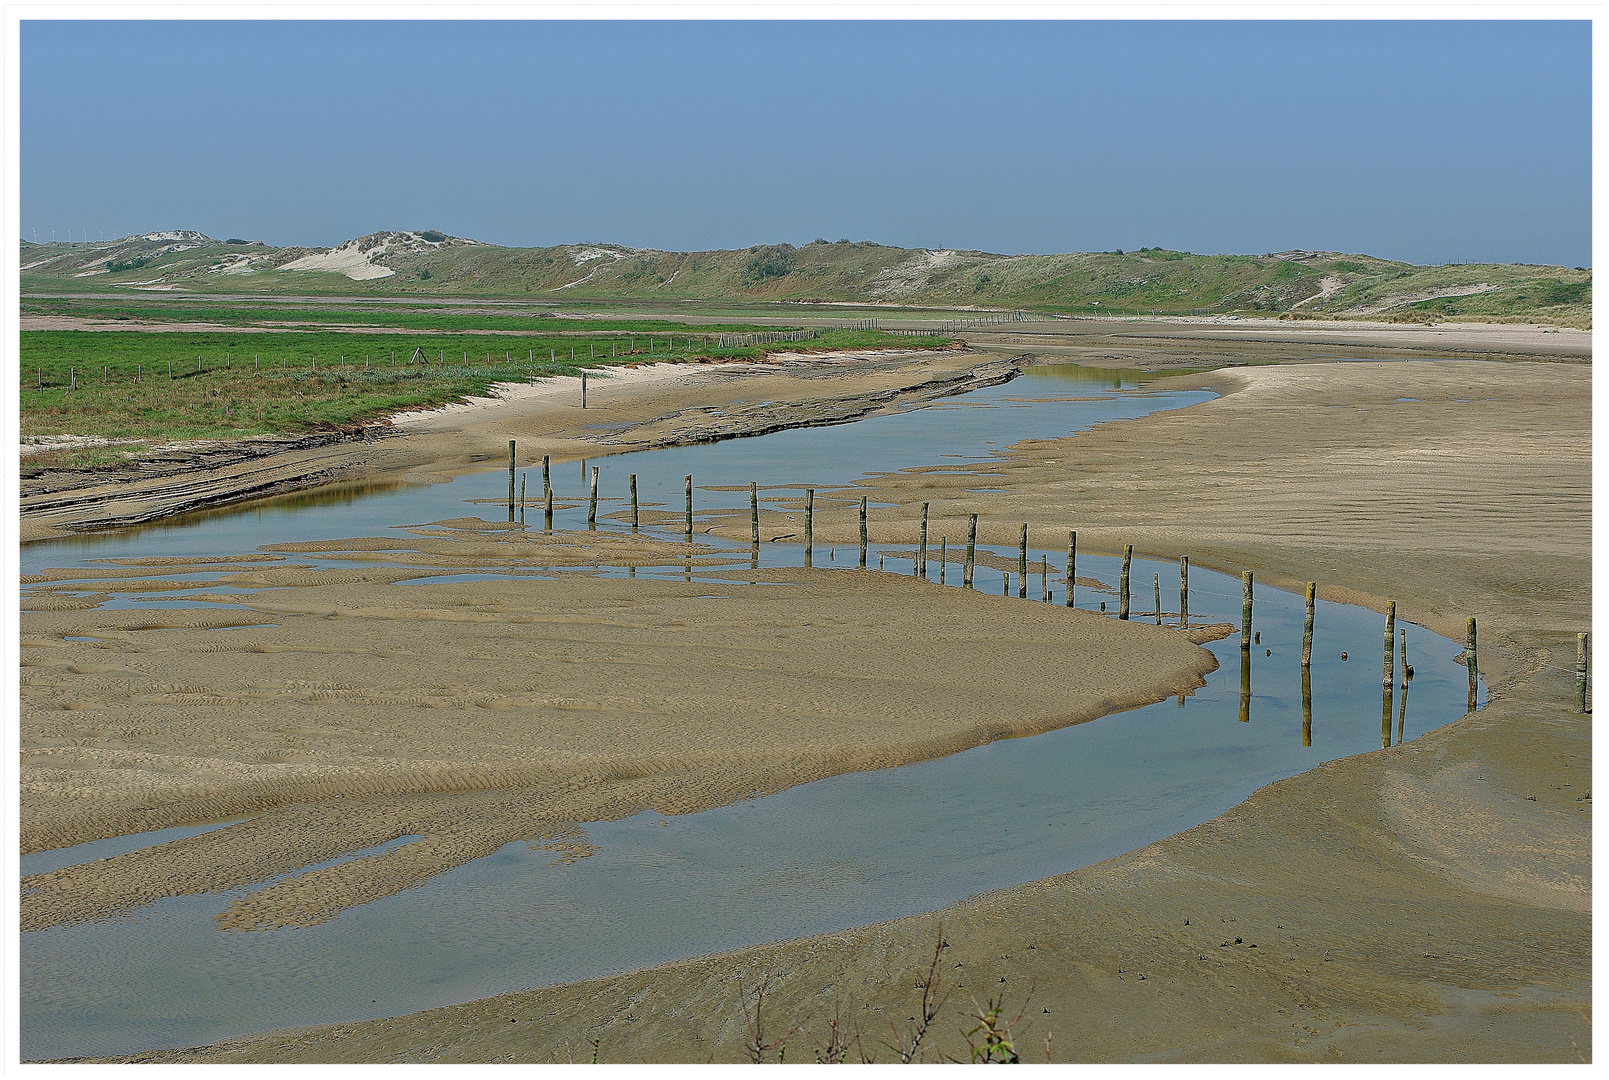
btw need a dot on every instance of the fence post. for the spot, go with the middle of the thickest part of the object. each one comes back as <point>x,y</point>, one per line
<point>972,544</point>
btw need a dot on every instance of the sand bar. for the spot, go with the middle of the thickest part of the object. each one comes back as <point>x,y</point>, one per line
<point>344,709</point>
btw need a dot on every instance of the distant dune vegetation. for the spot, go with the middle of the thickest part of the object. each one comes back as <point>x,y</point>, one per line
<point>1289,284</point>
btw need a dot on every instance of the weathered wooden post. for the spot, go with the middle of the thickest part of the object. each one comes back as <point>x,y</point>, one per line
<point>754,515</point>
<point>522,499</point>
<point>1307,626</point>
<point>863,532</point>
<point>1471,661</point>
<point>634,501</point>
<point>1402,638</point>
<point>1072,561</point>
<point>810,524</point>
<point>687,531</point>
<point>1156,580</point>
<point>511,479</point>
<point>592,502</point>
<point>547,478</point>
<point>1005,583</point>
<point>921,547</point>
<point>1581,673</point>
<point>1245,611</point>
<point>1044,579</point>
<point>1245,687</point>
<point>1385,716</point>
<point>1123,583</point>
<point>547,510</point>
<point>583,389</point>
<point>1022,563</point>
<point>1307,706</point>
<point>972,545</point>
<point>1391,639</point>
<point>1402,713</point>
<point>943,559</point>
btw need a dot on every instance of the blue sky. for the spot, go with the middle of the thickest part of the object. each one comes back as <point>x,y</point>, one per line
<point>1431,142</point>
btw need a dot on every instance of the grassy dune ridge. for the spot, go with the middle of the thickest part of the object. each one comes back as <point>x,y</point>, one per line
<point>1297,284</point>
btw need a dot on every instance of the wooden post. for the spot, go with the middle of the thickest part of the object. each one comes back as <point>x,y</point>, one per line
<point>1022,563</point>
<point>522,498</point>
<point>687,531</point>
<point>1044,579</point>
<point>1391,639</point>
<point>1307,706</point>
<point>972,544</point>
<point>583,389</point>
<point>511,479</point>
<point>1245,611</point>
<point>547,508</point>
<point>592,504</point>
<point>1385,716</point>
<point>863,532</point>
<point>1072,562</point>
<point>1245,687</point>
<point>1402,712</point>
<point>810,523</point>
<point>1402,638</point>
<point>1156,580</point>
<point>1123,583</point>
<point>547,485</point>
<point>1307,626</point>
<point>921,547</point>
<point>754,515</point>
<point>1581,673</point>
<point>1471,661</point>
<point>943,559</point>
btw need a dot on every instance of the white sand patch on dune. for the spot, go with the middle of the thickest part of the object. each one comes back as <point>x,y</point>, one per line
<point>1327,287</point>
<point>348,259</point>
<point>586,255</point>
<point>912,274</point>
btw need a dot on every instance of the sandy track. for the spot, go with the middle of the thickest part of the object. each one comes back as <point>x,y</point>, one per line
<point>1408,904</point>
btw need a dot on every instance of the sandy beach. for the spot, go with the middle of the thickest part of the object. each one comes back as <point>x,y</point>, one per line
<point>1409,904</point>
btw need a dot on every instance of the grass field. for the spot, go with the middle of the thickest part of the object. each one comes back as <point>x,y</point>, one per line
<point>225,384</point>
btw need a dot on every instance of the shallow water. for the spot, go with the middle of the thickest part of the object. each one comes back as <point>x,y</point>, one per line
<point>838,853</point>
<point>952,431</point>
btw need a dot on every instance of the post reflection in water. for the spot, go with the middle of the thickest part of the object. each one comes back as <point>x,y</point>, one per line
<point>1245,686</point>
<point>1385,715</point>
<point>1307,706</point>
<point>1402,713</point>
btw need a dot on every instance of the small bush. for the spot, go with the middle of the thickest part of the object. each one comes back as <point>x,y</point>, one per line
<point>117,266</point>
<point>769,262</point>
<point>433,236</point>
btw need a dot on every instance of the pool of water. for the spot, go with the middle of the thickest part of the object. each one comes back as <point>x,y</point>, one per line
<point>841,852</point>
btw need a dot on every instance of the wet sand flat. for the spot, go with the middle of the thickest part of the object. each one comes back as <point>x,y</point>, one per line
<point>344,709</point>
<point>1427,902</point>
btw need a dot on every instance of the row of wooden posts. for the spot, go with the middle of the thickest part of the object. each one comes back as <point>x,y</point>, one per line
<point>988,320</point>
<point>1393,635</point>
